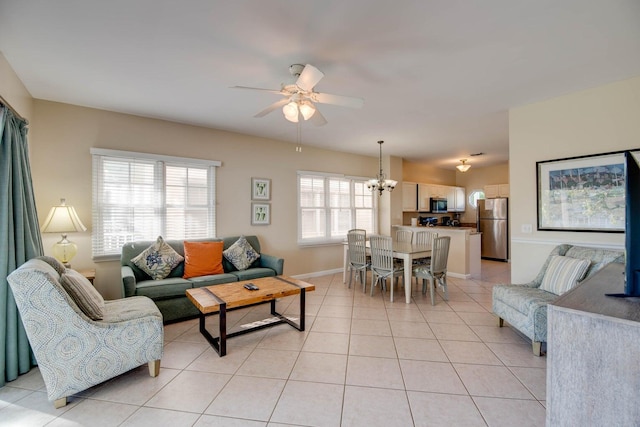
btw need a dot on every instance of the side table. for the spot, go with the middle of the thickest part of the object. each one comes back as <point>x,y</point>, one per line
<point>89,273</point>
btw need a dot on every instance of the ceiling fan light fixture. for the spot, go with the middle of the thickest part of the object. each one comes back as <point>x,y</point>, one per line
<point>290,111</point>
<point>463,166</point>
<point>307,110</point>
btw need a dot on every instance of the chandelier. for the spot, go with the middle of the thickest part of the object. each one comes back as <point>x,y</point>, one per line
<point>380,182</point>
<point>463,167</point>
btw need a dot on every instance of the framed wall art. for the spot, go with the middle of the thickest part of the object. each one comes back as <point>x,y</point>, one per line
<point>584,193</point>
<point>260,213</point>
<point>260,189</point>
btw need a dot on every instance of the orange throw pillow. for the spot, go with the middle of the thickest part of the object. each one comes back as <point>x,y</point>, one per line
<point>202,259</point>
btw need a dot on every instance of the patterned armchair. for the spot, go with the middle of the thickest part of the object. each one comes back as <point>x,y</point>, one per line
<point>73,351</point>
<point>525,306</point>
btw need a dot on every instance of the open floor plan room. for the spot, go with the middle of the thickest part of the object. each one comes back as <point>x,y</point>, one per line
<point>362,361</point>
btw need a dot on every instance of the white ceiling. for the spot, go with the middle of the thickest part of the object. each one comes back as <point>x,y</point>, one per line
<point>437,77</point>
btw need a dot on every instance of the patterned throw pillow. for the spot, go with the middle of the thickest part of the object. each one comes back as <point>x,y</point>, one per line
<point>158,259</point>
<point>241,254</point>
<point>86,297</point>
<point>563,273</point>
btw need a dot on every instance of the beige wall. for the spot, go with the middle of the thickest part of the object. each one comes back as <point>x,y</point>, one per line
<point>602,119</point>
<point>62,136</point>
<point>422,172</point>
<point>13,91</point>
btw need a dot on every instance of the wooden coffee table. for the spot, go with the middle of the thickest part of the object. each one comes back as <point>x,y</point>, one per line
<point>231,296</point>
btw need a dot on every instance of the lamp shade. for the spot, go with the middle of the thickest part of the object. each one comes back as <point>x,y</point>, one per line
<point>307,110</point>
<point>62,219</point>
<point>463,167</point>
<point>290,111</point>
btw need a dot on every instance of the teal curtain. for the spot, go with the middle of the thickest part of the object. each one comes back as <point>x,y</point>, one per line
<point>20,239</point>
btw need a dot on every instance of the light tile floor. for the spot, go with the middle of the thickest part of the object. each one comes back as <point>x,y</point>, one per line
<point>363,361</point>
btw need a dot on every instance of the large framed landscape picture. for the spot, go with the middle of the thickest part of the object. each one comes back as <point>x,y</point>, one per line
<point>583,193</point>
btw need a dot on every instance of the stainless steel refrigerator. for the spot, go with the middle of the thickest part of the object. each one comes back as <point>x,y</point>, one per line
<point>493,223</point>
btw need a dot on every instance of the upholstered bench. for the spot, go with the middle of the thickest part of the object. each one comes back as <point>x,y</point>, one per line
<point>524,306</point>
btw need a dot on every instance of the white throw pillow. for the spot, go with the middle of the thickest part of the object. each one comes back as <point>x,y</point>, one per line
<point>563,273</point>
<point>241,254</point>
<point>158,259</point>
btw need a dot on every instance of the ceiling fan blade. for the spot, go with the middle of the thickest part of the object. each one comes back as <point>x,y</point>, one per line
<point>257,88</point>
<point>272,107</point>
<point>309,77</point>
<point>318,119</point>
<point>344,101</point>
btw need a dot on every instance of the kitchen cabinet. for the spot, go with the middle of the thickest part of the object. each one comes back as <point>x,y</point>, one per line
<point>456,199</point>
<point>409,197</point>
<point>455,196</point>
<point>496,190</point>
<point>427,192</point>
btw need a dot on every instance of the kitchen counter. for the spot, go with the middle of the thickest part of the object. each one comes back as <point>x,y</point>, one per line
<point>464,250</point>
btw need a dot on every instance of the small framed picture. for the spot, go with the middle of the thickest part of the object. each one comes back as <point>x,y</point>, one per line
<point>260,189</point>
<point>260,213</point>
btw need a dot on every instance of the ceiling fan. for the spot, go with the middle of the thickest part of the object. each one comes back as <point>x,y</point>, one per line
<point>300,98</point>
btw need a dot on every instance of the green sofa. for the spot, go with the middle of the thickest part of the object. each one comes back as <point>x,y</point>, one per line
<point>169,294</point>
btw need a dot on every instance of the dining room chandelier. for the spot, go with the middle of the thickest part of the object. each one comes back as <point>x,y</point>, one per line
<point>380,182</point>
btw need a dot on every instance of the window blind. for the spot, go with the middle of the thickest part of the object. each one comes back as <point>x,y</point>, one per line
<point>140,197</point>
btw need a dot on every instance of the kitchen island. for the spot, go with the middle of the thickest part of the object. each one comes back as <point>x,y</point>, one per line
<point>464,251</point>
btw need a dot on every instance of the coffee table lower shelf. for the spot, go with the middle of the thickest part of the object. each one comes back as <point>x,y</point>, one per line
<point>219,343</point>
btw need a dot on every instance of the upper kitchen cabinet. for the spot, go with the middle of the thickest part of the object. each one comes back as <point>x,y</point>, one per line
<point>456,199</point>
<point>409,197</point>
<point>426,192</point>
<point>496,190</point>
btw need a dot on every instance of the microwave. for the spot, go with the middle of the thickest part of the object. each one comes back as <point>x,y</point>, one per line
<point>438,205</point>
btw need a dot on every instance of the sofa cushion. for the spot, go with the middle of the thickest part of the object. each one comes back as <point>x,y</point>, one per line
<point>563,274</point>
<point>202,259</point>
<point>170,287</point>
<point>241,254</point>
<point>524,299</point>
<point>86,297</point>
<point>158,259</point>
<point>254,273</point>
<point>215,279</point>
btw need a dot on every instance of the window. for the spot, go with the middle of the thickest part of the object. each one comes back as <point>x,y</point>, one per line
<point>474,196</point>
<point>142,196</point>
<point>329,205</point>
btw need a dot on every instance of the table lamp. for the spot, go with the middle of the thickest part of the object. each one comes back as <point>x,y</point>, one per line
<point>63,219</point>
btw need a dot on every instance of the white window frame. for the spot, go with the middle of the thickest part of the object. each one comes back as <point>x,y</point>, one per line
<point>327,239</point>
<point>104,251</point>
<point>474,196</point>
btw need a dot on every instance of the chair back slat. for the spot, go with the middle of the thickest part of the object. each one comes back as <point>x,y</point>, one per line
<point>381,253</point>
<point>424,238</point>
<point>439,255</point>
<point>404,236</point>
<point>357,241</point>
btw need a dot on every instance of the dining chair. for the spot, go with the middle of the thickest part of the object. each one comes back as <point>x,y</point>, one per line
<point>383,265</point>
<point>436,271</point>
<point>404,236</point>
<point>358,260</point>
<point>424,238</point>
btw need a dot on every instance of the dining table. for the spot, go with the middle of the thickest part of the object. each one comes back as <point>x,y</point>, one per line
<point>406,251</point>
